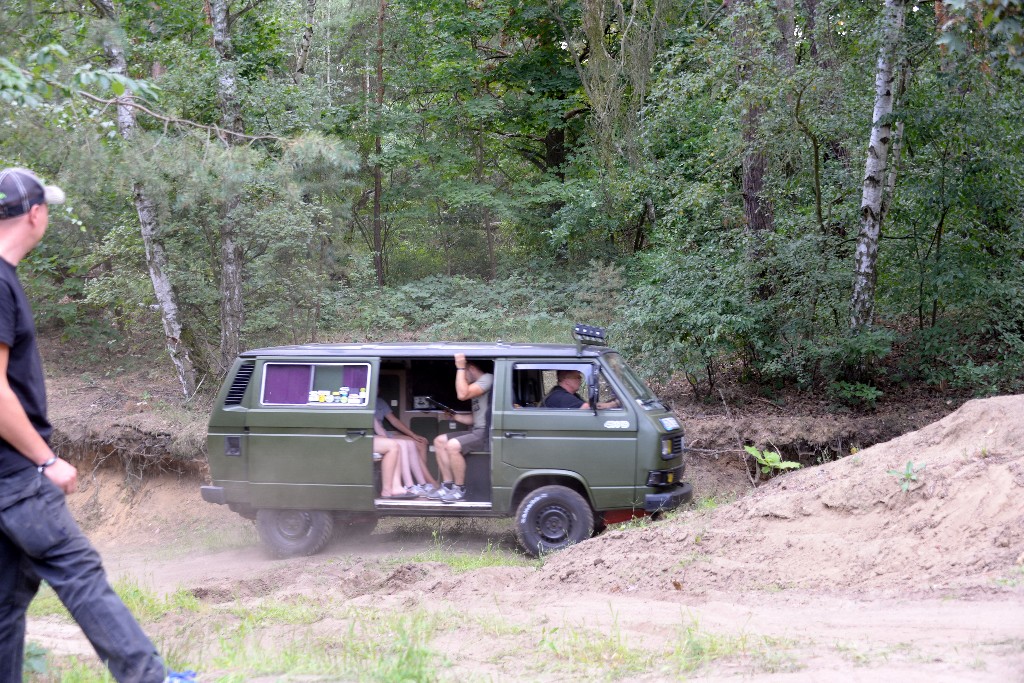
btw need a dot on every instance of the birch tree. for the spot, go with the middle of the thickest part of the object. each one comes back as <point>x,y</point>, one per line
<point>156,256</point>
<point>862,303</point>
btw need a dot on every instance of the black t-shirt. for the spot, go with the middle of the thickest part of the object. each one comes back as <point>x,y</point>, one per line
<point>560,398</point>
<point>24,368</point>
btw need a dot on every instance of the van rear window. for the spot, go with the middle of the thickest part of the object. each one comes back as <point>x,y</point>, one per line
<point>328,384</point>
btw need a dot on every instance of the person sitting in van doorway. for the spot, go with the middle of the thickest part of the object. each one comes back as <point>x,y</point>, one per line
<point>473,380</point>
<point>564,394</point>
<point>413,463</point>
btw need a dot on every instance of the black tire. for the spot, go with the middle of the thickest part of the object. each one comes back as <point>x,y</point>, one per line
<point>355,524</point>
<point>290,533</point>
<point>551,518</point>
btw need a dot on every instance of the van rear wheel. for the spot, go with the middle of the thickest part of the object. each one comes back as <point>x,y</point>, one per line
<point>290,533</point>
<point>551,518</point>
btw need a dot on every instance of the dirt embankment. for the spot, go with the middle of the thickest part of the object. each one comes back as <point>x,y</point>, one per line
<point>847,526</point>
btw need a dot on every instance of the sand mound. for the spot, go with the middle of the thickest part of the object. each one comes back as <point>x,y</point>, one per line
<point>847,525</point>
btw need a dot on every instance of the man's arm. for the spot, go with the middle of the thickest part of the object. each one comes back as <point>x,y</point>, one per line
<point>463,389</point>
<point>401,427</point>
<point>17,430</point>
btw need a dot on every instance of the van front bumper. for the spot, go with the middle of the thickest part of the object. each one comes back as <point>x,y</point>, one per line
<point>214,494</point>
<point>661,502</point>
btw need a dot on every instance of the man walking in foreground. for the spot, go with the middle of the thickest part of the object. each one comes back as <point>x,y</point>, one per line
<point>39,540</point>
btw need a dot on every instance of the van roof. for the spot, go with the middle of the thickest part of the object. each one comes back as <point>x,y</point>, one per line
<point>429,350</point>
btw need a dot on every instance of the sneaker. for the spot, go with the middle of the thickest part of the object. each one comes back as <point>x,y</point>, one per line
<point>422,490</point>
<point>180,677</point>
<point>454,494</point>
<point>439,492</point>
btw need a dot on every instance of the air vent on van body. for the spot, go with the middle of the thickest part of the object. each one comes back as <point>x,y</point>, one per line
<point>238,386</point>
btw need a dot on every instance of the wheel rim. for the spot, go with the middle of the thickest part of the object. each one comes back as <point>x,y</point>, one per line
<point>294,524</point>
<point>553,524</point>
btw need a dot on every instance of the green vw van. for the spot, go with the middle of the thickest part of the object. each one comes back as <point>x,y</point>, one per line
<point>290,440</point>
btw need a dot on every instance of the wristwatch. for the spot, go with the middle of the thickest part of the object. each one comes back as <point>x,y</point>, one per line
<point>40,468</point>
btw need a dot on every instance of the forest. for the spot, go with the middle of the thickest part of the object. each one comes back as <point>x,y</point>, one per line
<point>824,196</point>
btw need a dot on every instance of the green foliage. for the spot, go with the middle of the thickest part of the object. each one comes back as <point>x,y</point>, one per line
<point>515,200</point>
<point>35,660</point>
<point>518,308</point>
<point>855,393</point>
<point>998,20</point>
<point>770,462</point>
<point>907,476</point>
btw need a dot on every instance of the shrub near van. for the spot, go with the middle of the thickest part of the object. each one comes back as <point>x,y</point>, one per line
<point>290,440</point>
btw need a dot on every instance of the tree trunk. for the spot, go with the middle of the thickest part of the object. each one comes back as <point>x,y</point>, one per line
<point>862,302</point>
<point>232,308</point>
<point>378,228</point>
<point>305,43</point>
<point>156,257</point>
<point>757,212</point>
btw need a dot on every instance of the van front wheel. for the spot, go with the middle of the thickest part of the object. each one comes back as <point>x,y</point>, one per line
<point>290,533</point>
<point>551,518</point>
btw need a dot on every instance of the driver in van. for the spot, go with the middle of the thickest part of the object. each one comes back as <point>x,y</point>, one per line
<point>564,394</point>
<point>473,380</point>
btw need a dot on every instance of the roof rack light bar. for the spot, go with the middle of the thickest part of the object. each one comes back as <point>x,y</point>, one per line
<point>589,335</point>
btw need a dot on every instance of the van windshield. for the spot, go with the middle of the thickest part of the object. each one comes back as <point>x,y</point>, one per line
<point>634,386</point>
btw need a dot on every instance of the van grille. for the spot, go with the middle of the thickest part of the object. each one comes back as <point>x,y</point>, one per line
<point>238,386</point>
<point>677,445</point>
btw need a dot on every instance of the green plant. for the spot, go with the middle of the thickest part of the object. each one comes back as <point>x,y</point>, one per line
<point>907,476</point>
<point>490,556</point>
<point>35,660</point>
<point>855,393</point>
<point>770,461</point>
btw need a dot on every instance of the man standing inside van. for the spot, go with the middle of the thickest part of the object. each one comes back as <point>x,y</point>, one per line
<point>39,539</point>
<point>473,380</point>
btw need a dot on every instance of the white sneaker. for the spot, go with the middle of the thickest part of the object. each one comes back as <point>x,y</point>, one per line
<point>454,494</point>
<point>438,493</point>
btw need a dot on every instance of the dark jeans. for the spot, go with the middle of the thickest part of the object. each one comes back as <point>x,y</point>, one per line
<point>40,540</point>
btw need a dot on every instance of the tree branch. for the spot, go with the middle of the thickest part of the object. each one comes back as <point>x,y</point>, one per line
<point>222,133</point>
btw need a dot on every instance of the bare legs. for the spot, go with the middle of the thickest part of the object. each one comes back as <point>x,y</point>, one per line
<point>390,470</point>
<point>450,460</point>
<point>414,455</point>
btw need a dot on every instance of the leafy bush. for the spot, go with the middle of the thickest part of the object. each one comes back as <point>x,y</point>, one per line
<point>855,393</point>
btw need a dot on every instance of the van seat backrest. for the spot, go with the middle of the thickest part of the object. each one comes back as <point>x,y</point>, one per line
<point>426,427</point>
<point>527,392</point>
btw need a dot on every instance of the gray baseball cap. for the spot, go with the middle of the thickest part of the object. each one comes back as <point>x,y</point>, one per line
<point>21,189</point>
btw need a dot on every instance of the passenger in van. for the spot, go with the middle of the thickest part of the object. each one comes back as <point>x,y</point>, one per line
<point>473,380</point>
<point>390,464</point>
<point>564,394</point>
<point>416,476</point>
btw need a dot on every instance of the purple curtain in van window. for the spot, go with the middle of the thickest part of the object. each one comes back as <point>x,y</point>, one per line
<point>287,384</point>
<point>355,377</point>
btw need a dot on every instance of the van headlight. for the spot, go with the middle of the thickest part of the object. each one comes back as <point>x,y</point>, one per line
<point>671,446</point>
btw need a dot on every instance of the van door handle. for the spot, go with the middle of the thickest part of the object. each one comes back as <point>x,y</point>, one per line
<point>353,434</point>
<point>515,435</point>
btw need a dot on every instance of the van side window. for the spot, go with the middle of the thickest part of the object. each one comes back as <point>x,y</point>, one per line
<point>333,384</point>
<point>531,382</point>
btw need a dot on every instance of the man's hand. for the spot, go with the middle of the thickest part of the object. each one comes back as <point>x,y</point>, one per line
<point>64,475</point>
<point>460,361</point>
